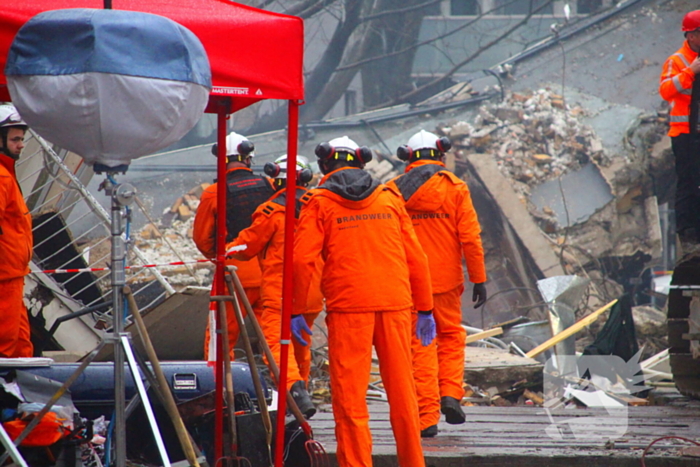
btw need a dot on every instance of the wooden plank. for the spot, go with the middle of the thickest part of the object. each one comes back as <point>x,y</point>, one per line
<point>484,334</point>
<point>570,331</point>
<point>519,433</point>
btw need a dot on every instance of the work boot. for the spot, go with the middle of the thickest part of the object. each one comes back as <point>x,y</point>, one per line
<point>429,432</point>
<point>454,415</point>
<point>301,397</point>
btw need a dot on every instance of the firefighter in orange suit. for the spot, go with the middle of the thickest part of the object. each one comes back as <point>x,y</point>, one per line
<point>447,227</point>
<point>15,241</point>
<point>375,271</point>
<point>681,89</point>
<point>245,192</point>
<point>264,239</point>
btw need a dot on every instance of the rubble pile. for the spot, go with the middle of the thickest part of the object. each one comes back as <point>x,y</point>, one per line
<point>170,240</point>
<point>534,138</point>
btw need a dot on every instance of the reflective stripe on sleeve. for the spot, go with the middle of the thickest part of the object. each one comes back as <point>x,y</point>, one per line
<point>683,59</point>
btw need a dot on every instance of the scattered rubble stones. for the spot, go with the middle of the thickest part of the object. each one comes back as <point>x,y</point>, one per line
<point>174,233</point>
<point>533,137</point>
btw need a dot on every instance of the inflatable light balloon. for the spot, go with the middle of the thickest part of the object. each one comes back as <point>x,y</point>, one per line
<point>109,85</point>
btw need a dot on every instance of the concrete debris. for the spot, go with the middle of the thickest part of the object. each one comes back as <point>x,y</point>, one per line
<point>534,138</point>
<point>173,233</point>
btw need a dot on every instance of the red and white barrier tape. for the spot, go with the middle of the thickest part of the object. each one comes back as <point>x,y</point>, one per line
<point>176,263</point>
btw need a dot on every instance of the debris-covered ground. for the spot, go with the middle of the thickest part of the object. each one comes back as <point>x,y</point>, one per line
<point>534,138</point>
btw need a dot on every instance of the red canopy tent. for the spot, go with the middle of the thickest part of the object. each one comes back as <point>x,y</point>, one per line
<point>254,55</point>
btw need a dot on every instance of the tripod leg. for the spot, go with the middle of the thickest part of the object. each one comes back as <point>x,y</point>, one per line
<point>228,379</point>
<point>11,448</point>
<point>232,281</point>
<point>162,387</point>
<point>126,345</point>
<point>255,374</point>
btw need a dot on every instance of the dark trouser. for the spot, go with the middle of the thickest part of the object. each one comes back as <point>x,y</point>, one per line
<point>686,150</point>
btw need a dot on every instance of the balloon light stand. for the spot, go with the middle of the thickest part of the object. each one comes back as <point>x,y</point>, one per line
<point>122,195</point>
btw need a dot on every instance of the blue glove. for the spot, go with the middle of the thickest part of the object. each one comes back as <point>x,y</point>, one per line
<point>298,325</point>
<point>425,328</point>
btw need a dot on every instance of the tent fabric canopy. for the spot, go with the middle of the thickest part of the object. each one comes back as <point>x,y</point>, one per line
<point>243,43</point>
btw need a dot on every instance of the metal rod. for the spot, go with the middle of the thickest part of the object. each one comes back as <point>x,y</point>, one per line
<point>222,113</point>
<point>11,448</point>
<point>95,206</point>
<point>287,273</point>
<point>118,281</point>
<point>233,281</point>
<point>166,394</point>
<point>126,345</point>
<point>230,400</point>
<point>254,373</point>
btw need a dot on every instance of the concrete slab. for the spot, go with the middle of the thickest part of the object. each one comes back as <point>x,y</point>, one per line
<point>176,327</point>
<point>486,367</point>
<point>575,197</point>
<point>520,220</point>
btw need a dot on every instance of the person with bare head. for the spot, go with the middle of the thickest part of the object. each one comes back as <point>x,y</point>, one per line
<point>15,240</point>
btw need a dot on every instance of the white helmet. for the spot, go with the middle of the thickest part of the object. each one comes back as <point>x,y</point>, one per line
<point>278,170</point>
<point>344,143</point>
<point>9,117</point>
<point>424,144</point>
<point>356,154</point>
<point>236,145</point>
<point>302,164</point>
<point>423,140</point>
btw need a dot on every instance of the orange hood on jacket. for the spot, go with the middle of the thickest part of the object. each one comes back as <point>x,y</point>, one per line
<point>442,214</point>
<point>373,260</point>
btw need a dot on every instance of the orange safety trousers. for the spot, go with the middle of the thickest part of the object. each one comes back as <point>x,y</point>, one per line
<point>303,352</point>
<point>15,334</point>
<point>298,358</point>
<point>443,361</point>
<point>253,295</point>
<point>350,339</point>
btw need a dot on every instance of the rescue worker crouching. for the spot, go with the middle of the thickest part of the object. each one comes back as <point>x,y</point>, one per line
<point>245,192</point>
<point>680,87</point>
<point>16,240</point>
<point>374,272</point>
<point>264,240</point>
<point>446,224</point>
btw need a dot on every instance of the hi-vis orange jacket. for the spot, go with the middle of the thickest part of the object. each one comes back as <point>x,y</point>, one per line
<point>204,235</point>
<point>445,222</point>
<point>15,225</point>
<point>373,260</point>
<point>265,239</point>
<point>677,87</point>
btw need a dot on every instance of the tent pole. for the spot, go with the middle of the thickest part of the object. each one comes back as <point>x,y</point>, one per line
<point>222,113</point>
<point>288,275</point>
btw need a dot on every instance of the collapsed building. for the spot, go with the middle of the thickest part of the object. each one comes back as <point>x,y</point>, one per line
<point>565,181</point>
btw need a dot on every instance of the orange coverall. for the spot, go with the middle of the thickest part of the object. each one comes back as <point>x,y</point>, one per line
<point>16,244</point>
<point>676,87</point>
<point>265,240</point>
<point>204,235</point>
<point>374,272</point>
<point>447,227</point>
